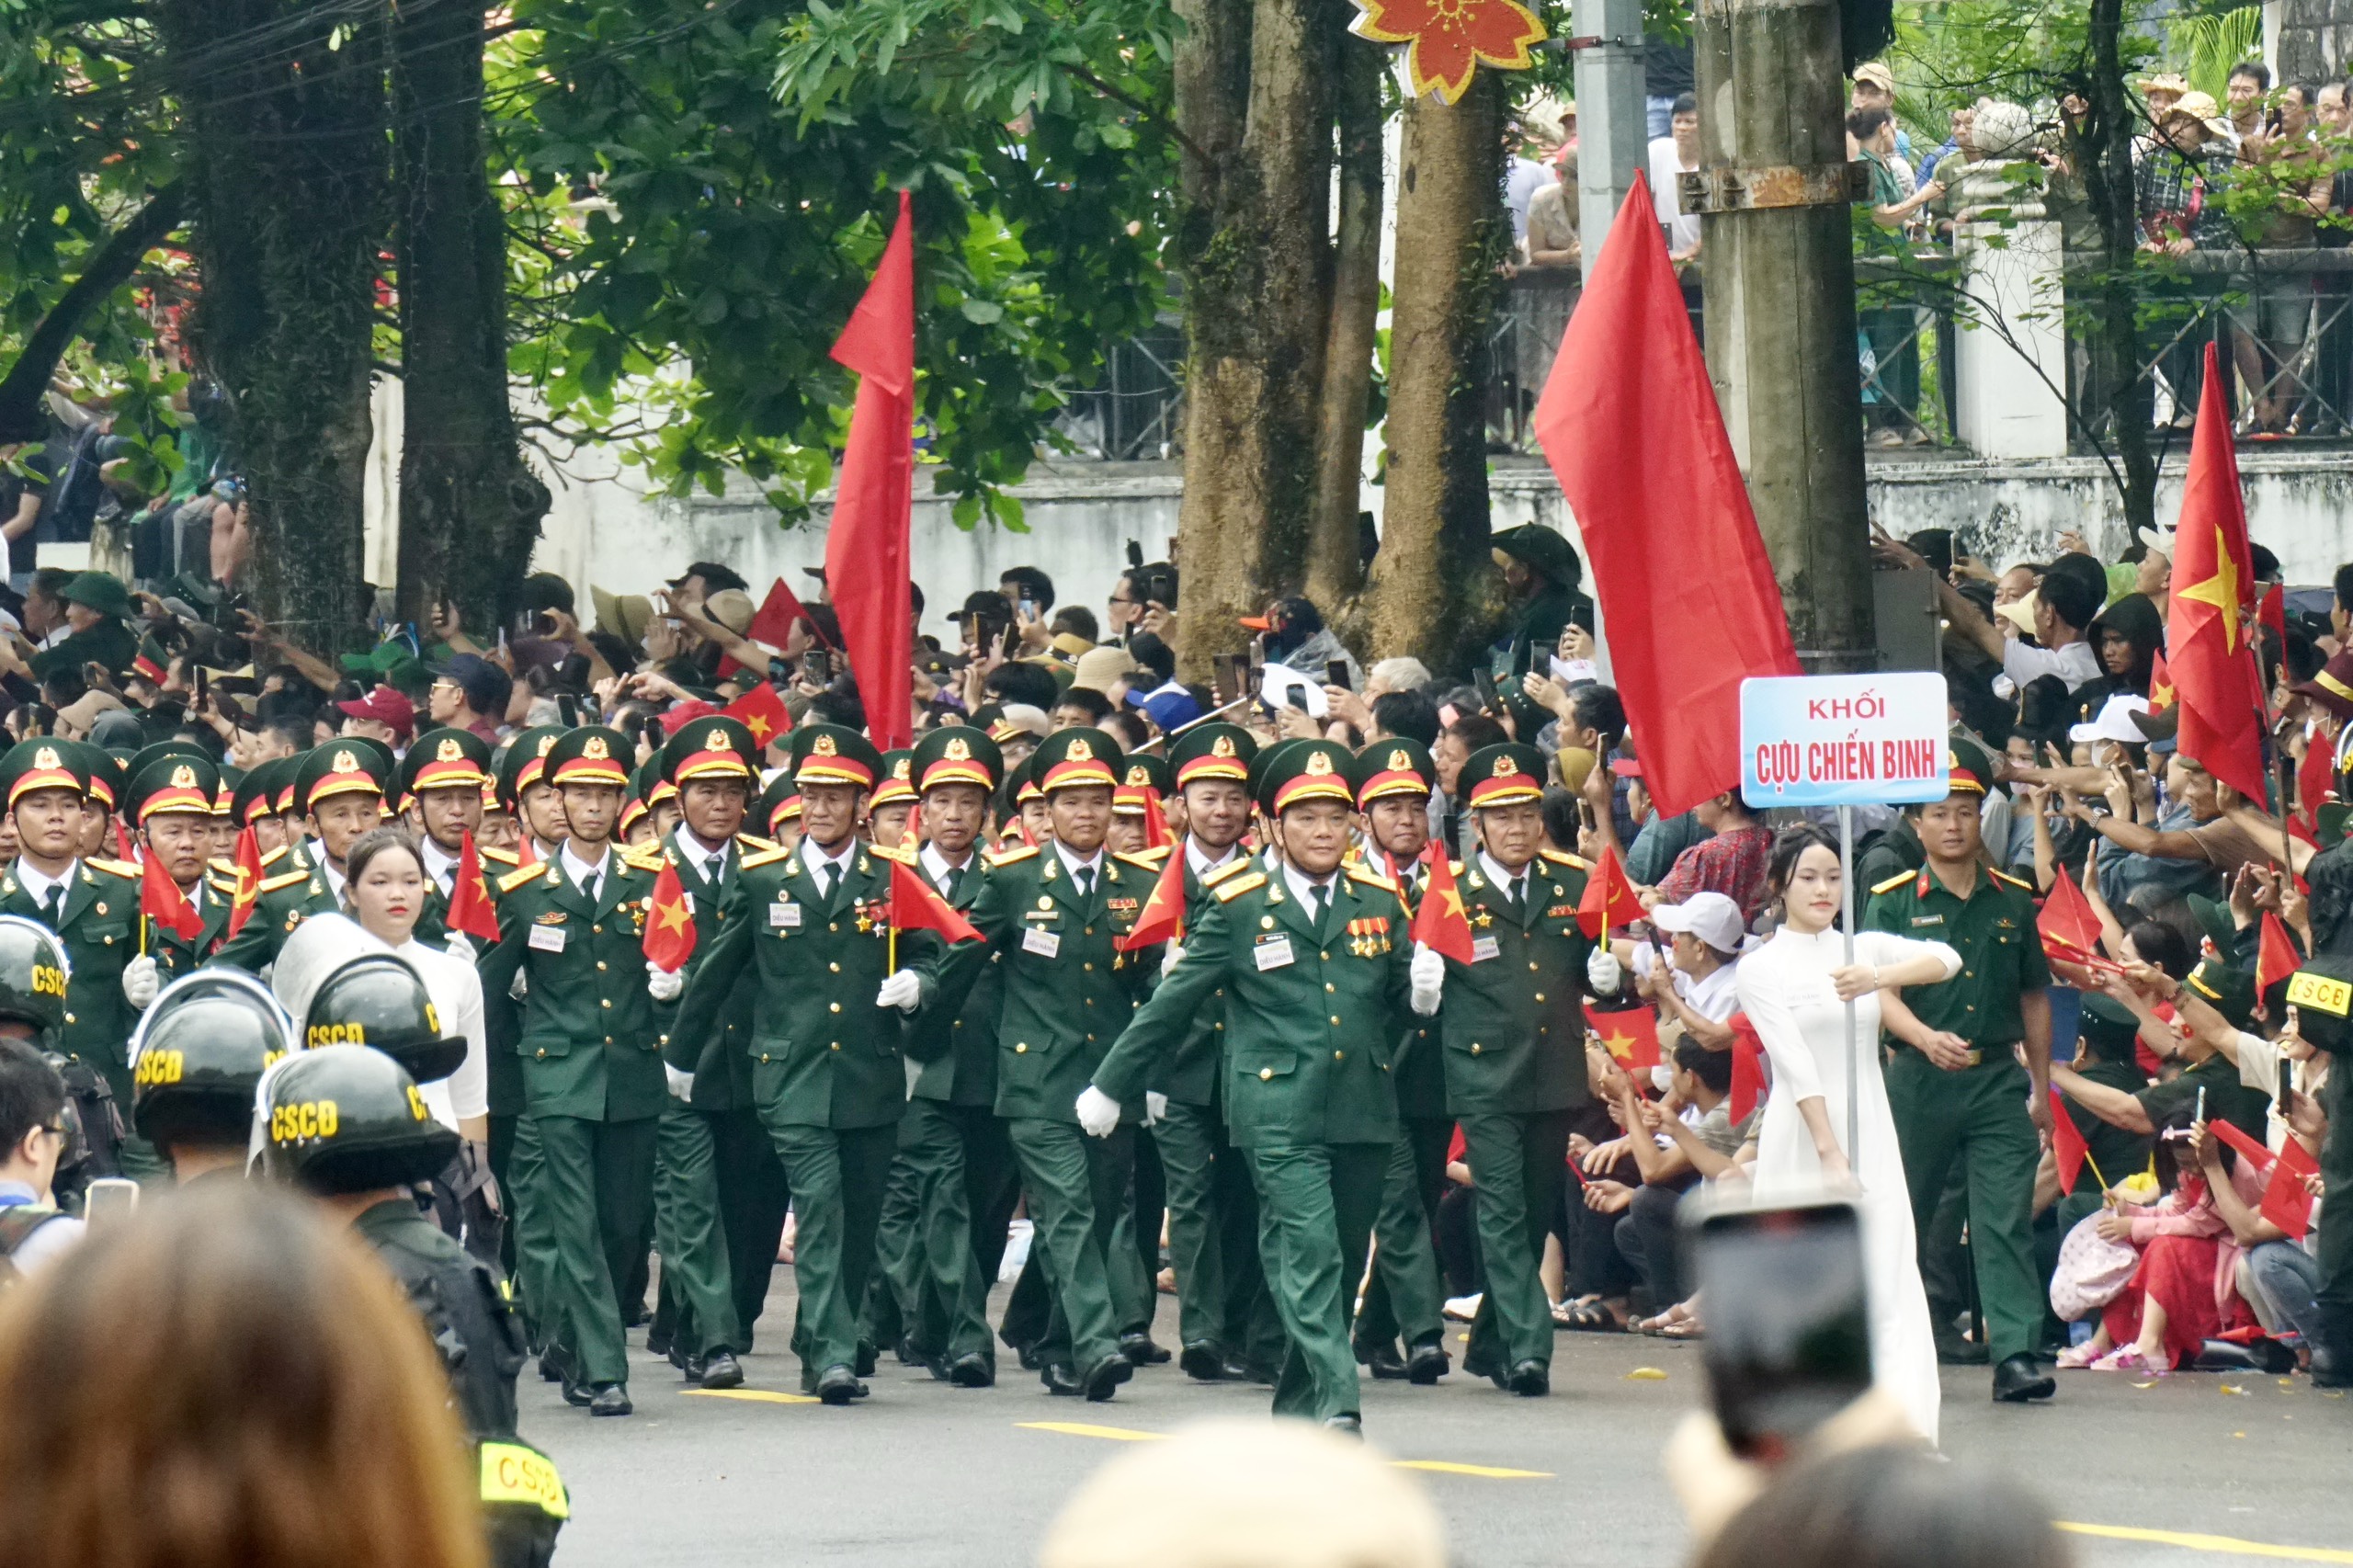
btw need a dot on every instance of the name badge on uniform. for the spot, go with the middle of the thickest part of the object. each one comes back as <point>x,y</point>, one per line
<point>784,916</point>
<point>548,938</point>
<point>1045,944</point>
<point>1272,953</point>
<point>1485,948</point>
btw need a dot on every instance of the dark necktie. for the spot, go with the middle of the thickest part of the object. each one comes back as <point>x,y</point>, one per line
<point>1323,906</point>
<point>1515,900</point>
<point>1085,878</point>
<point>53,906</point>
<point>589,884</point>
<point>955,883</point>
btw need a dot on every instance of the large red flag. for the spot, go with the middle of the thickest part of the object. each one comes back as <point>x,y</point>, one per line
<point>160,900</point>
<point>762,712</point>
<point>1609,899</point>
<point>470,911</point>
<point>248,865</point>
<point>669,922</point>
<point>2207,629</point>
<point>1630,424</point>
<point>1442,924</point>
<point>772,623</point>
<point>2068,1150</point>
<point>866,552</point>
<point>1162,919</point>
<point>916,906</point>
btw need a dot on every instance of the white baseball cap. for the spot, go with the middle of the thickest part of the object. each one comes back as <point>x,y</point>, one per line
<point>2114,722</point>
<point>1711,917</point>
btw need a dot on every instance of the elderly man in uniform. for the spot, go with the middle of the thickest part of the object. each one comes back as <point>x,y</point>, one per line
<point>339,792</point>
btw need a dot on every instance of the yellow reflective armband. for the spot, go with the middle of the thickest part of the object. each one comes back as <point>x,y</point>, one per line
<point>513,1472</point>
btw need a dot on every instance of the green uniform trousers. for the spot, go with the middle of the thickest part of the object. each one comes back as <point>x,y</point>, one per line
<point>594,1196</point>
<point>1078,1206</point>
<point>2336,1251</point>
<point>890,1306</point>
<point>952,1191</point>
<point>837,1176</point>
<point>1317,1204</point>
<point>753,1198</point>
<point>697,1300</point>
<point>1406,1297</point>
<point>1517,1162</point>
<point>1978,1116</point>
<point>1222,1295</point>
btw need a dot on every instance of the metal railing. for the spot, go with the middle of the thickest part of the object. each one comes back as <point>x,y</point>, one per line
<point>1135,412</point>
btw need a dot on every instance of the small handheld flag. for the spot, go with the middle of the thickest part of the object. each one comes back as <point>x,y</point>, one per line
<point>762,712</point>
<point>916,906</point>
<point>248,863</point>
<point>1631,1035</point>
<point>160,900</point>
<point>470,911</point>
<point>1609,899</point>
<point>1162,919</point>
<point>669,922</point>
<point>1442,924</point>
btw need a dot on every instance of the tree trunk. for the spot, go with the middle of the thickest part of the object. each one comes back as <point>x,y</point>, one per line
<point>1434,593</point>
<point>2104,152</point>
<point>287,146</point>
<point>470,506</point>
<point>22,416</point>
<point>1334,558</point>
<point>1257,263</point>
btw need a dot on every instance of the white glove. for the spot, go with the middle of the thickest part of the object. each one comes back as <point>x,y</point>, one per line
<point>682,1084</point>
<point>1156,1108</point>
<point>1170,957</point>
<point>459,946</point>
<point>663,985</point>
<point>1603,972</point>
<point>1429,974</point>
<point>1099,1113</point>
<point>902,990</point>
<point>520,986</point>
<point>140,982</point>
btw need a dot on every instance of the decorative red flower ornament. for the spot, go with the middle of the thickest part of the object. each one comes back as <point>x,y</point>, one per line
<point>1449,39</point>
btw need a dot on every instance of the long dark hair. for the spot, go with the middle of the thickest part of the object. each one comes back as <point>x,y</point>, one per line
<point>376,841</point>
<point>1789,844</point>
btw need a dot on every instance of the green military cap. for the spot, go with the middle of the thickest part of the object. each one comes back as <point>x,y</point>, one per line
<point>2215,922</point>
<point>958,754</point>
<point>2321,993</point>
<point>1140,773</point>
<point>100,591</point>
<point>378,1001</point>
<point>2228,989</point>
<point>109,774</point>
<point>1969,769</point>
<point>525,763</point>
<point>1076,759</point>
<point>779,802</point>
<point>351,1120</point>
<point>174,783</point>
<point>643,782</point>
<point>348,764</point>
<point>2107,1028</point>
<point>894,781</point>
<point>1213,751</point>
<point>34,967</point>
<point>712,746</point>
<point>1502,774</point>
<point>593,754</point>
<point>1395,767</point>
<point>832,754</point>
<point>1022,783</point>
<point>256,793</point>
<point>1254,777</point>
<point>45,762</point>
<point>199,1054</point>
<point>445,759</point>
<point>1540,548</point>
<point>225,798</point>
<point>1305,770</point>
<point>152,662</point>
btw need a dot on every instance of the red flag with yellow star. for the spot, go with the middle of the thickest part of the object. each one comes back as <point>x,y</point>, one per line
<point>669,922</point>
<point>1162,919</point>
<point>2276,957</point>
<point>916,906</point>
<point>470,910</point>
<point>1631,1035</point>
<point>248,864</point>
<point>1609,899</point>
<point>1442,925</point>
<point>762,712</point>
<point>2208,648</point>
<point>2160,684</point>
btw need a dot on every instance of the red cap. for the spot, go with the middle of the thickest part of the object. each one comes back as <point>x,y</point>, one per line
<point>386,706</point>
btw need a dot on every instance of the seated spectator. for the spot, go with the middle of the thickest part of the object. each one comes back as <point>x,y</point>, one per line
<point>1731,861</point>
<point>1693,991</point>
<point>1683,1139</point>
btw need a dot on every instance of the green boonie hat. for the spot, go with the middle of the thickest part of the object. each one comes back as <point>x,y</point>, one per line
<point>525,763</point>
<point>713,746</point>
<point>100,591</point>
<point>445,759</point>
<point>2107,1028</point>
<point>958,754</point>
<point>1305,770</point>
<point>2321,993</point>
<point>1076,759</point>
<point>2228,989</point>
<point>348,764</point>
<point>894,779</point>
<point>198,1056</point>
<point>380,1002</point>
<point>349,1119</point>
<point>1502,774</point>
<point>1395,767</point>
<point>1541,548</point>
<point>173,783</point>
<point>593,754</point>
<point>832,754</point>
<point>44,762</point>
<point>1215,750</point>
<point>34,969</point>
<point>780,801</point>
<point>256,793</point>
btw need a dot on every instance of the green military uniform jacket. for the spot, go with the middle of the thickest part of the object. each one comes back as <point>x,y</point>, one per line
<point>723,1072</point>
<point>283,902</point>
<point>961,1068</point>
<point>1893,854</point>
<point>1190,1074</point>
<point>1311,1012</point>
<point>2116,1151</point>
<point>823,1053</point>
<point>214,897</point>
<point>1994,932</point>
<point>109,642</point>
<point>587,1041</point>
<point>1068,990</point>
<point>1419,1066</point>
<point>100,932</point>
<point>1514,1021</point>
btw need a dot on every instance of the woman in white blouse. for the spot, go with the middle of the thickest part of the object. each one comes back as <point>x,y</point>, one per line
<point>1795,989</point>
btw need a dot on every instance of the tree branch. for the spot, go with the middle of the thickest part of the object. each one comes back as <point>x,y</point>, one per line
<point>1080,73</point>
<point>110,268</point>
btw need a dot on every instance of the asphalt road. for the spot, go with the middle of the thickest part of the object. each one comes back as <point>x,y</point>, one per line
<point>921,1473</point>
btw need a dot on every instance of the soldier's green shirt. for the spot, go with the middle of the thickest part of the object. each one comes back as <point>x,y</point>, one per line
<point>724,1071</point>
<point>213,898</point>
<point>100,933</point>
<point>588,1041</point>
<point>1994,932</point>
<point>1190,1074</point>
<point>285,900</point>
<point>1311,1010</point>
<point>2116,1153</point>
<point>958,1046</point>
<point>1512,1023</point>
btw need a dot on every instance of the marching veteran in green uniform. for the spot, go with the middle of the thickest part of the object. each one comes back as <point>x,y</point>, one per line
<point>1313,961</point>
<point>1956,1084</point>
<point>592,1077</point>
<point>339,791</point>
<point>808,930</point>
<point>1055,916</point>
<point>1514,1037</point>
<point>170,797</point>
<point>441,782</point>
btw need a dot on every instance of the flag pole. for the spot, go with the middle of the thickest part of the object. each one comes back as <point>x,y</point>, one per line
<point>1846,893</point>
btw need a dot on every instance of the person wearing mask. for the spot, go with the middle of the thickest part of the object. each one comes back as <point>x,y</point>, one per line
<point>197,1059</point>
<point>339,791</point>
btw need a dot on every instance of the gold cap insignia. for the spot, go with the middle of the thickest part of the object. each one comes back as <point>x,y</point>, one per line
<point>1223,746</point>
<point>901,768</point>
<point>717,741</point>
<point>823,746</point>
<point>182,777</point>
<point>1505,765</point>
<point>593,749</point>
<point>957,751</point>
<point>450,751</point>
<point>346,763</point>
<point>1081,750</point>
<point>1318,764</point>
<point>47,757</point>
<point>547,743</point>
<point>1139,773</point>
<point>1399,762</point>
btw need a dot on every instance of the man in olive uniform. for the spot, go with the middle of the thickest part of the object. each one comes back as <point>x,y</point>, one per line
<point>954,1183</point>
<point>1314,962</point>
<point>441,778</point>
<point>592,1073</point>
<point>808,932</point>
<point>1543,575</point>
<point>2321,993</point>
<point>92,906</point>
<point>1394,780</point>
<point>530,794</point>
<point>98,611</point>
<point>339,791</point>
<point>1055,916</point>
<point>1227,1323</point>
<point>1955,1083</point>
<point>170,799</point>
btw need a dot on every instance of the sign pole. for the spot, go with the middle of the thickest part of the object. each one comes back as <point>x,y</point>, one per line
<point>1854,1047</point>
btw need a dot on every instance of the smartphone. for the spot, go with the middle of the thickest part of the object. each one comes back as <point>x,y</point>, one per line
<point>813,669</point>
<point>568,706</point>
<point>1011,641</point>
<point>1581,617</point>
<point>203,684</point>
<point>1788,1340</point>
<point>1483,682</point>
<point>1541,652</point>
<point>110,1200</point>
<point>1335,673</point>
<point>1029,610</point>
<point>1240,664</point>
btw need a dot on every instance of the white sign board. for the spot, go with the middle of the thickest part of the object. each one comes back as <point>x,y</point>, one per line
<point>1844,740</point>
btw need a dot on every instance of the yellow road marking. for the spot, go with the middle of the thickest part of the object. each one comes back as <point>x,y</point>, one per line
<point>2223,1543</point>
<point>1133,1434</point>
<point>760,1396</point>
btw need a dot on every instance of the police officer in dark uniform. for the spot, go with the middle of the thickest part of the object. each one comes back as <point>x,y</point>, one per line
<point>2321,993</point>
<point>197,1059</point>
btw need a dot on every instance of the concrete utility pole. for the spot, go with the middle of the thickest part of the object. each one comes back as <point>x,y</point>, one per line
<point>1773,187</point>
<point>1612,127</point>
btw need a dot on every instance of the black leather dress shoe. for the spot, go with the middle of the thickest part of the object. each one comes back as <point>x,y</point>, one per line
<point>1029,1357</point>
<point>1954,1351</point>
<point>657,1340</point>
<point>867,1359</point>
<point>1140,1350</point>
<point>2020,1378</point>
<point>910,1354</point>
<point>1059,1379</point>
<point>1203,1360</point>
<point>1105,1377</point>
<point>578,1394</point>
<point>1382,1359</point>
<point>971,1370</point>
<point>691,1365</point>
<point>610,1399</point>
<point>839,1384</point>
<point>1428,1364</point>
<point>1346,1425</point>
<point>555,1367</point>
<point>722,1371</point>
<point>1530,1380</point>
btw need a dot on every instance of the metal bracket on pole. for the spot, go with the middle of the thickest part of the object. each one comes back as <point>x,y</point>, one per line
<point>1774,185</point>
